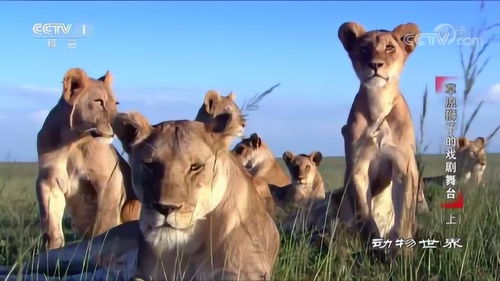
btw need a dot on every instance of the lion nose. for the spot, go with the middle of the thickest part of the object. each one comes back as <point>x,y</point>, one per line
<point>166,209</point>
<point>375,65</point>
<point>301,179</point>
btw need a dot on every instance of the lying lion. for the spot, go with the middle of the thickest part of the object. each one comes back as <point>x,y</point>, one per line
<point>307,185</point>
<point>471,160</point>
<point>256,156</point>
<point>201,216</point>
<point>378,58</point>
<point>78,166</point>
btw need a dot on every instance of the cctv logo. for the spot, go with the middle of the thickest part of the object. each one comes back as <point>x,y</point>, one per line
<point>51,29</point>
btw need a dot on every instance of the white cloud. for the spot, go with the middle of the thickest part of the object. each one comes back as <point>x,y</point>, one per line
<point>47,90</point>
<point>493,93</point>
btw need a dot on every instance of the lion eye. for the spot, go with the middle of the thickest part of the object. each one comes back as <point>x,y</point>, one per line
<point>308,167</point>
<point>365,50</point>
<point>100,101</point>
<point>239,150</point>
<point>196,167</point>
<point>389,48</point>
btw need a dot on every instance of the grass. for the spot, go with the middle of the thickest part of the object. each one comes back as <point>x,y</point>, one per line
<point>344,258</point>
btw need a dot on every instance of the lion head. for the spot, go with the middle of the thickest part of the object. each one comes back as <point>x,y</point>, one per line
<point>378,56</point>
<point>215,105</point>
<point>177,170</point>
<point>471,159</point>
<point>92,103</point>
<point>251,152</point>
<point>307,184</point>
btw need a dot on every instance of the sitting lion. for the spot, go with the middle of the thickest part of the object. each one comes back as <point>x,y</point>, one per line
<point>78,166</point>
<point>378,57</point>
<point>201,217</point>
<point>471,160</point>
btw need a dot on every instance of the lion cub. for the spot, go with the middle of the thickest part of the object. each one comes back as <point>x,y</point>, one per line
<point>77,165</point>
<point>471,160</point>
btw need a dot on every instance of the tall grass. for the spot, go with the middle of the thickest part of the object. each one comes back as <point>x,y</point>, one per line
<point>342,256</point>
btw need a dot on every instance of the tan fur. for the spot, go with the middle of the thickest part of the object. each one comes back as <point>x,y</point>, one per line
<point>378,58</point>
<point>307,185</point>
<point>259,160</point>
<point>471,160</point>
<point>260,163</point>
<point>78,167</point>
<point>201,217</point>
<point>380,210</point>
<point>216,105</point>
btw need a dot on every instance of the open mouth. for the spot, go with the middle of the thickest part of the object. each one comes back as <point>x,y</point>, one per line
<point>96,134</point>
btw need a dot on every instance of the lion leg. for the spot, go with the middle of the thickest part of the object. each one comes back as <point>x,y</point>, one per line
<point>407,218</point>
<point>51,203</point>
<point>109,201</point>
<point>363,198</point>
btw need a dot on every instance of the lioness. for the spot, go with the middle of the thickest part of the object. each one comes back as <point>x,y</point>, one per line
<point>378,58</point>
<point>78,166</point>
<point>215,105</point>
<point>307,185</point>
<point>471,160</point>
<point>201,216</point>
<point>256,156</point>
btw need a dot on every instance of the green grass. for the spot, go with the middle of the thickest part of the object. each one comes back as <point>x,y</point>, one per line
<point>344,258</point>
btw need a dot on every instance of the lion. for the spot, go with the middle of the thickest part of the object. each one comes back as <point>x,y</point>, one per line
<point>378,58</point>
<point>215,105</point>
<point>77,165</point>
<point>256,156</point>
<point>307,185</point>
<point>471,160</point>
<point>201,216</point>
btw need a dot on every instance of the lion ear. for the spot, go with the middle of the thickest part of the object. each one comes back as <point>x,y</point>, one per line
<point>316,157</point>
<point>462,142</point>
<point>232,96</point>
<point>348,33</point>
<point>131,128</point>
<point>211,97</point>
<point>480,141</point>
<point>107,79</point>
<point>407,35</point>
<point>74,81</point>
<point>255,140</point>
<point>288,156</point>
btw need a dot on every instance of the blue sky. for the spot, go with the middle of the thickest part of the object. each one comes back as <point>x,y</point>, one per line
<point>165,55</point>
